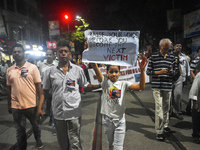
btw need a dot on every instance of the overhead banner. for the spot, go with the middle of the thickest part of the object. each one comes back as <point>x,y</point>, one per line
<point>192,24</point>
<point>111,47</point>
<point>127,73</point>
<point>2,28</point>
<point>54,29</point>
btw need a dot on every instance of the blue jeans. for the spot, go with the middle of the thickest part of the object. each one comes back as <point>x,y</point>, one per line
<point>20,125</point>
<point>68,134</point>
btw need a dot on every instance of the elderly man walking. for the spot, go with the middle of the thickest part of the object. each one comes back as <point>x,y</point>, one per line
<point>162,67</point>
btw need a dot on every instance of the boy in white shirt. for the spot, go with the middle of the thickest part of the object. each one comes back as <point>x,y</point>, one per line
<point>113,102</point>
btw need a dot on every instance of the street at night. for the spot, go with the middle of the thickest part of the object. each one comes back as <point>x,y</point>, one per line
<point>99,75</point>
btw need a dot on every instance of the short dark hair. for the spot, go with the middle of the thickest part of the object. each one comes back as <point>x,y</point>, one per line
<point>108,67</point>
<point>179,42</point>
<point>18,45</point>
<point>63,44</point>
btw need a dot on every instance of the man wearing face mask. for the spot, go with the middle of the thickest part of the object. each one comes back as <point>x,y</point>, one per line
<point>178,84</point>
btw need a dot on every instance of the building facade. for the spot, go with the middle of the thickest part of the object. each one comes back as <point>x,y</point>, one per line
<point>23,20</point>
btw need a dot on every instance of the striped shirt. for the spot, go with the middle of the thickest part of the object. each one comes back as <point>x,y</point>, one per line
<point>158,62</point>
<point>194,63</point>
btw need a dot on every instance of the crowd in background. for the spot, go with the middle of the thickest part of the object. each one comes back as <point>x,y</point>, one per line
<point>186,65</point>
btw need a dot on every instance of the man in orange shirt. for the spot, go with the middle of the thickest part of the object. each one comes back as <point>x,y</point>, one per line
<point>23,81</point>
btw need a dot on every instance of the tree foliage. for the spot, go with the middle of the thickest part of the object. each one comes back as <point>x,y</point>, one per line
<point>78,34</point>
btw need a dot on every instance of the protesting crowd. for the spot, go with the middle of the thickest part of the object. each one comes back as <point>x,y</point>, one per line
<point>53,87</point>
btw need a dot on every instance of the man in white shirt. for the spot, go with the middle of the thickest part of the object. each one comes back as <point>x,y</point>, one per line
<point>178,84</point>
<point>43,66</point>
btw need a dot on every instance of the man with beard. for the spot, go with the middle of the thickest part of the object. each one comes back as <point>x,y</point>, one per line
<point>23,82</point>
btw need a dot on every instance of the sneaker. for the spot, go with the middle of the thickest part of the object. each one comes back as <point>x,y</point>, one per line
<point>160,137</point>
<point>176,115</point>
<point>167,129</point>
<point>39,144</point>
<point>54,131</point>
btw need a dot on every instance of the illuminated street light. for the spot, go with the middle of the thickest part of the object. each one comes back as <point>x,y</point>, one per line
<point>66,17</point>
<point>78,17</point>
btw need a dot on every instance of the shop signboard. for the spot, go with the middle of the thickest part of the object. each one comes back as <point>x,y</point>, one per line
<point>51,44</point>
<point>54,29</point>
<point>192,24</point>
<point>195,44</point>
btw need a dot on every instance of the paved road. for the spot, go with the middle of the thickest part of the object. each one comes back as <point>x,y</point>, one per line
<point>140,133</point>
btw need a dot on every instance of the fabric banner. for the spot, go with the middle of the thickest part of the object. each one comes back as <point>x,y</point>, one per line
<point>111,47</point>
<point>127,73</point>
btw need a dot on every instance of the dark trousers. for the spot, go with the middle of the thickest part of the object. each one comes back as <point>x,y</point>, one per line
<point>19,119</point>
<point>48,109</point>
<point>196,124</point>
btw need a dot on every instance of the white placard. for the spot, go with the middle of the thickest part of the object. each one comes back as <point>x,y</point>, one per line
<point>112,47</point>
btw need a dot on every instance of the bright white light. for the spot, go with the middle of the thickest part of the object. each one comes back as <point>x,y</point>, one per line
<point>28,46</point>
<point>78,17</point>
<point>29,52</point>
<point>40,47</point>
<point>36,53</point>
<point>43,53</point>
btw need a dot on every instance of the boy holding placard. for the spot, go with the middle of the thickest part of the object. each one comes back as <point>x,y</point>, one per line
<point>113,102</point>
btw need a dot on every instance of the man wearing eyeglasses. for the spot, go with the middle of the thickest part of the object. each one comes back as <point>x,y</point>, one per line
<point>162,67</point>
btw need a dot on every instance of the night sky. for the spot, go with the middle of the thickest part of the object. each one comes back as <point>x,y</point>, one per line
<point>148,16</point>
